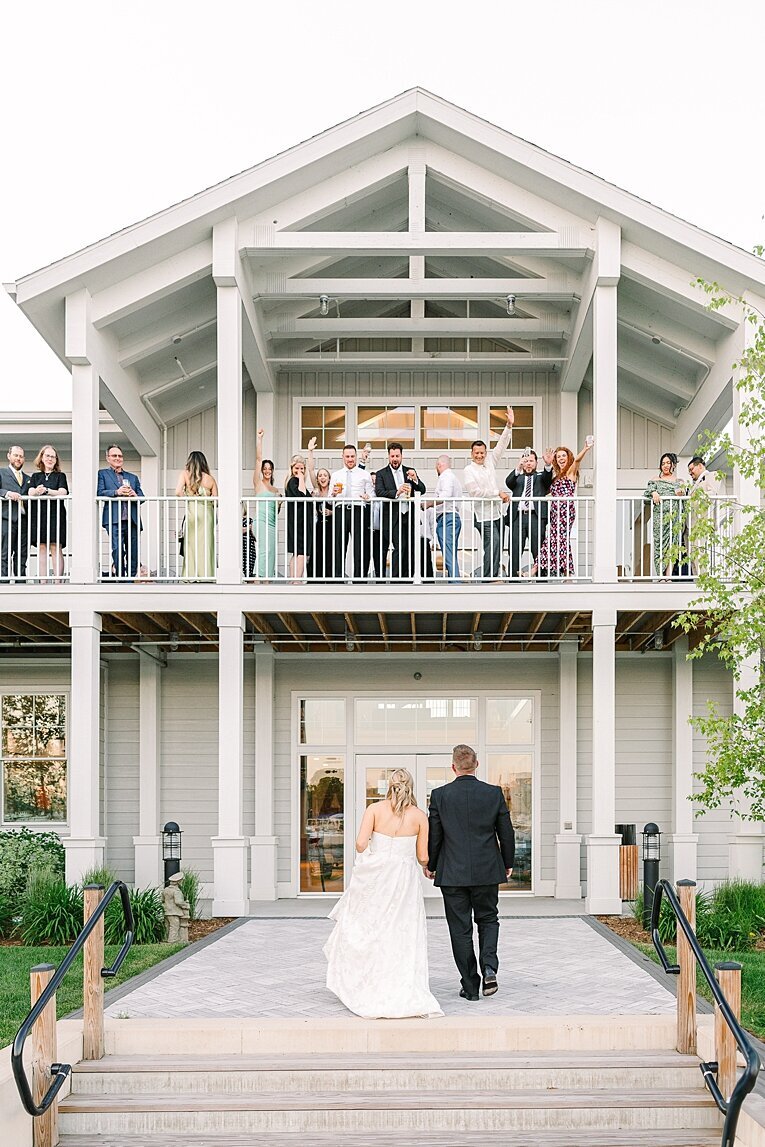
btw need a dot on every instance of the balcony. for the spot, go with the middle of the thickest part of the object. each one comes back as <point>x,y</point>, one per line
<point>307,542</point>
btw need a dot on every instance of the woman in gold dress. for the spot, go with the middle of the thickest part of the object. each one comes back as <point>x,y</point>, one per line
<point>198,487</point>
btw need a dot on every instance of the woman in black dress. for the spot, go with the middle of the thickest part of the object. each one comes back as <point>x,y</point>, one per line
<point>322,563</point>
<point>298,518</point>
<point>48,515</point>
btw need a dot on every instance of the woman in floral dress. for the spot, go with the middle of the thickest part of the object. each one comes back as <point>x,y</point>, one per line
<point>667,513</point>
<point>555,556</point>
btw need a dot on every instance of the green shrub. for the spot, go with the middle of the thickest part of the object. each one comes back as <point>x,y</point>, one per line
<point>736,916</point>
<point>189,885</point>
<point>20,850</point>
<point>103,876</point>
<point>667,920</point>
<point>7,917</point>
<point>148,918</point>
<point>51,910</point>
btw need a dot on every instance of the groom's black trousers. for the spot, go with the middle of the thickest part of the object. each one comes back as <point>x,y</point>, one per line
<point>462,905</point>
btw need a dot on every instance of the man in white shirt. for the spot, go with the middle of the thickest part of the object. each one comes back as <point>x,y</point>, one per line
<point>709,482</point>
<point>352,488</point>
<point>448,520</point>
<point>481,482</point>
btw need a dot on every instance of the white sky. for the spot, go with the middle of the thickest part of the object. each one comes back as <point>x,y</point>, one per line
<point>114,110</point>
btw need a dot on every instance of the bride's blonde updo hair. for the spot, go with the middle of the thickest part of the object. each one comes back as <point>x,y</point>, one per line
<point>401,791</point>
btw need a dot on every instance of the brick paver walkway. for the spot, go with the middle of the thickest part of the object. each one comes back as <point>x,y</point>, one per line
<point>276,968</point>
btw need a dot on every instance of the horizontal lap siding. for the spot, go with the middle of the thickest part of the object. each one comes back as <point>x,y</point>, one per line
<point>121,731</point>
<point>711,681</point>
<point>584,756</point>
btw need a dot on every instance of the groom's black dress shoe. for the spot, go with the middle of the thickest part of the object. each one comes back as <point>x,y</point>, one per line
<point>465,996</point>
<point>490,985</point>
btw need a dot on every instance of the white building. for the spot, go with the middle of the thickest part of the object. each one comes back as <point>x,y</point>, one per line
<point>356,288</point>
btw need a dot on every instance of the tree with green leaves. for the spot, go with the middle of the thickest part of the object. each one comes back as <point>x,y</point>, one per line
<point>726,542</point>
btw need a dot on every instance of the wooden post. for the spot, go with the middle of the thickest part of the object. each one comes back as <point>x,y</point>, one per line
<point>93,984</point>
<point>44,1053</point>
<point>686,983</point>
<point>729,978</point>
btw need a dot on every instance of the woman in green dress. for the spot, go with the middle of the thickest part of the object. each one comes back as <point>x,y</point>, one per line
<point>667,513</point>
<point>198,487</point>
<point>266,508</point>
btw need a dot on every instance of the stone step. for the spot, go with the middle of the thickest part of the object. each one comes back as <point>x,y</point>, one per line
<point>403,1111</point>
<point>493,1071</point>
<point>504,1138</point>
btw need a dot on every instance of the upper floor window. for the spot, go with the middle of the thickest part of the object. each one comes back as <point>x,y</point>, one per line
<point>448,427</point>
<point>324,423</point>
<point>379,425</point>
<point>523,429</point>
<point>34,763</point>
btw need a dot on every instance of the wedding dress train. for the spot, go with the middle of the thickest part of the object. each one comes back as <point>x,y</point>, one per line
<point>378,951</point>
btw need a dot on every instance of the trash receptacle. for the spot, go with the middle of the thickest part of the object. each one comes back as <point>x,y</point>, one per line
<point>628,861</point>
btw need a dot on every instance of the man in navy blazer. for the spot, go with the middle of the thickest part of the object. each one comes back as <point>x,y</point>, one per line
<point>122,518</point>
<point>14,487</point>
<point>471,851</point>
<point>528,511</point>
<point>397,483</point>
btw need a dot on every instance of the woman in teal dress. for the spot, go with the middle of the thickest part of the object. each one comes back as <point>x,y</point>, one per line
<point>667,512</point>
<point>199,488</point>
<point>266,509</point>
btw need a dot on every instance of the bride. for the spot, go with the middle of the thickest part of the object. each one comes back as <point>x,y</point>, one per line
<point>378,951</point>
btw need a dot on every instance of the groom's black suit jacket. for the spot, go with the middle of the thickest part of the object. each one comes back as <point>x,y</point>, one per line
<point>471,839</point>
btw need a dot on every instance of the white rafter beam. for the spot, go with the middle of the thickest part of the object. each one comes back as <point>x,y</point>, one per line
<point>662,378</point>
<point>673,283</point>
<point>501,328</point>
<point>714,400</point>
<point>161,335</point>
<point>546,244</point>
<point>404,360</point>
<point>497,289</point>
<point>147,287</point>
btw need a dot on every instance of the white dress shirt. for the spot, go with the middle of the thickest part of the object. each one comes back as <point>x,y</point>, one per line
<point>447,486</point>
<point>355,482</point>
<point>481,481</point>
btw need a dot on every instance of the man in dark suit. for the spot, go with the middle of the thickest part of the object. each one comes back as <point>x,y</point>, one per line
<point>397,485</point>
<point>526,515</point>
<point>471,848</point>
<point>122,518</point>
<point>14,542</point>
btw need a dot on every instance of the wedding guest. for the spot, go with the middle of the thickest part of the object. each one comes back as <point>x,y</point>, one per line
<point>528,509</point>
<point>266,509</point>
<point>352,491</point>
<point>448,519</point>
<point>667,514</point>
<point>708,482</point>
<point>396,484</point>
<point>248,543</point>
<point>14,487</point>
<point>322,559</point>
<point>555,556</point>
<point>298,518</point>
<point>197,485</point>
<point>48,517</point>
<point>480,481</point>
<point>121,516</point>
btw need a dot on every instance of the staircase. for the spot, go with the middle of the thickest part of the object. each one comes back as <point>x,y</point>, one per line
<point>435,1084</point>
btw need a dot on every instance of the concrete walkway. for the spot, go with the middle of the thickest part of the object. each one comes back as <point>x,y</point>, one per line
<point>276,968</point>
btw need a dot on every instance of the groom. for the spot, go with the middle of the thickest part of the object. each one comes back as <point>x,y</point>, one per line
<point>471,852</point>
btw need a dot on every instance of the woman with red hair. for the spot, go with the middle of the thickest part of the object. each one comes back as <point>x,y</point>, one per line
<point>555,556</point>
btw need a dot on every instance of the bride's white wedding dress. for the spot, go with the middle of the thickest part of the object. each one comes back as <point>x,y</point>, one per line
<point>378,951</point>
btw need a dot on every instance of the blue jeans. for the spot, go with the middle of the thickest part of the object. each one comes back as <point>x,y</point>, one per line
<point>448,526</point>
<point>124,538</point>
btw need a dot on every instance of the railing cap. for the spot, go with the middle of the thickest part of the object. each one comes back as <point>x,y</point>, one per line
<point>43,968</point>
<point>728,966</point>
<point>686,883</point>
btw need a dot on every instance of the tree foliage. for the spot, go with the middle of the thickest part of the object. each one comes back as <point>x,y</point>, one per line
<point>727,544</point>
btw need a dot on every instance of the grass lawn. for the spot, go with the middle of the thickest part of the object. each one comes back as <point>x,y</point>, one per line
<point>16,962</point>
<point>752,983</point>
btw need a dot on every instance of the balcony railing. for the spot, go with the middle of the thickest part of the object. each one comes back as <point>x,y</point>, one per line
<point>33,539</point>
<point>655,538</point>
<point>166,539</point>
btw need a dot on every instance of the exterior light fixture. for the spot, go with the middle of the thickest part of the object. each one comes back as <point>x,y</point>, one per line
<point>651,856</point>
<point>171,849</point>
<point>655,339</point>
<point>478,641</point>
<point>510,300</point>
<point>349,642</point>
<point>658,640</point>
<point>323,305</point>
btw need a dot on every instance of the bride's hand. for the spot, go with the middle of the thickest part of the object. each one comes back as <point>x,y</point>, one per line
<point>427,872</point>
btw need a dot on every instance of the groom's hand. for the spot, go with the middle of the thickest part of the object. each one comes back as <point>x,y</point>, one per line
<point>428,873</point>
<point>508,872</point>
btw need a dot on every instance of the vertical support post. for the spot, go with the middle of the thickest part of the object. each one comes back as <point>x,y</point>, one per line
<point>686,984</point>
<point>230,846</point>
<point>154,545</point>
<point>92,983</point>
<point>683,841</point>
<point>84,846</point>
<point>84,526</point>
<point>263,844</point>
<point>604,405</point>
<point>567,841</point>
<point>229,329</point>
<point>746,843</point>
<point>43,1054</point>
<point>147,844</point>
<point>416,172</point>
<point>729,978</point>
<point>603,843</point>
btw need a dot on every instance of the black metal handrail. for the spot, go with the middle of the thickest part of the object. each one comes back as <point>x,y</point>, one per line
<point>730,1108</point>
<point>60,1071</point>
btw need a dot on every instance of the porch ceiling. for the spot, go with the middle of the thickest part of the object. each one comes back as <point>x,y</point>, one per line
<point>353,632</point>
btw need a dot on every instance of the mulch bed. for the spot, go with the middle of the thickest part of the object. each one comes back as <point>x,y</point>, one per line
<point>198,929</point>
<point>627,927</point>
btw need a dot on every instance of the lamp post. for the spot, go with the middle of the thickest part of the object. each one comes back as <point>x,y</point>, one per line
<point>651,857</point>
<point>171,849</point>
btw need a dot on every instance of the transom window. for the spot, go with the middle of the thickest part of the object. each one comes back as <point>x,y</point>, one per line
<point>523,428</point>
<point>379,425</point>
<point>447,427</point>
<point>34,763</point>
<point>324,423</point>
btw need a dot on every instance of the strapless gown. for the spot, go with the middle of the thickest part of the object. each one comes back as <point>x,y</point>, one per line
<point>377,955</point>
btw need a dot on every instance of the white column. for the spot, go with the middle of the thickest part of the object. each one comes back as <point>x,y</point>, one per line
<point>683,841</point>
<point>603,843</point>
<point>567,841</point>
<point>230,845</point>
<point>84,524</point>
<point>148,866</point>
<point>264,416</point>
<point>745,845</point>
<point>416,175</point>
<point>84,846</point>
<point>604,407</point>
<point>229,327</point>
<point>152,514</point>
<point>568,430</point>
<point>263,845</point>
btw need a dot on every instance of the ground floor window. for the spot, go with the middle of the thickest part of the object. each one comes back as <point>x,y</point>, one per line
<point>34,765</point>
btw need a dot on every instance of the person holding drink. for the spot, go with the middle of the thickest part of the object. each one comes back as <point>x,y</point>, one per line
<point>351,488</point>
<point>397,484</point>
